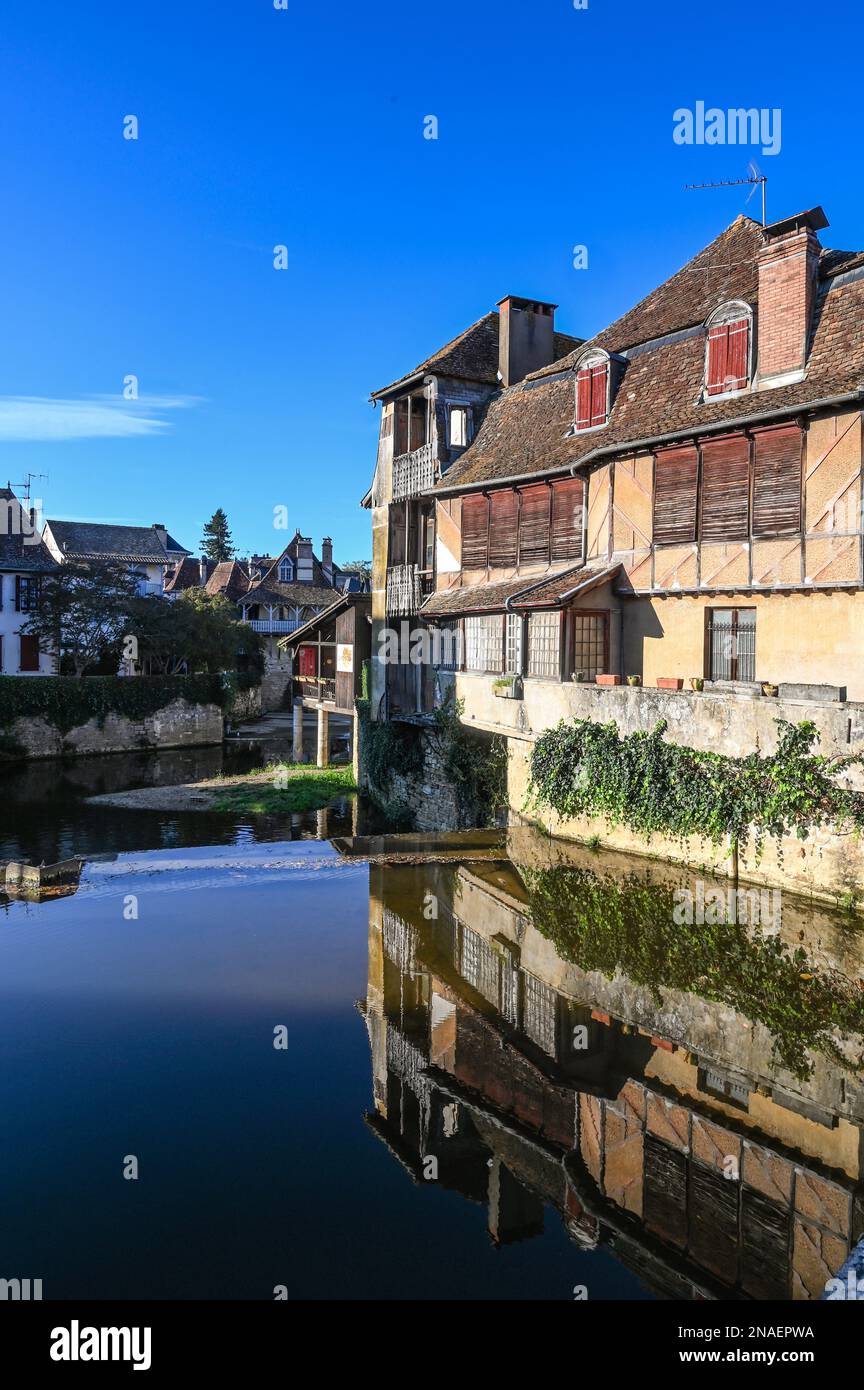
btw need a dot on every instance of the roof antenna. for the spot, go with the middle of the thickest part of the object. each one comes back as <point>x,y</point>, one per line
<point>25,486</point>
<point>754,177</point>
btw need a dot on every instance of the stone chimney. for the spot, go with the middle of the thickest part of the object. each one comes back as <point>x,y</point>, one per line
<point>788,272</point>
<point>203,570</point>
<point>327,557</point>
<point>526,337</point>
<point>161,531</point>
<point>305,559</point>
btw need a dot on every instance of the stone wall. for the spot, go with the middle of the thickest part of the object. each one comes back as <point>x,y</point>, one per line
<point>274,684</point>
<point>177,725</point>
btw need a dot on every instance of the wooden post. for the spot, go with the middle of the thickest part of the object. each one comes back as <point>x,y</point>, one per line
<point>323,759</point>
<point>297,731</point>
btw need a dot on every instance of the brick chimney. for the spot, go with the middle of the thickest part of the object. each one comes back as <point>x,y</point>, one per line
<point>327,557</point>
<point>526,337</point>
<point>788,272</point>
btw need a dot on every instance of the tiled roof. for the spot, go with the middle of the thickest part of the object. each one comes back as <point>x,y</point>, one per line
<point>563,587</point>
<point>473,355</point>
<point>228,578</point>
<point>19,549</point>
<point>94,540</point>
<point>480,598</point>
<point>293,595</point>
<point>186,575</point>
<point>526,428</point>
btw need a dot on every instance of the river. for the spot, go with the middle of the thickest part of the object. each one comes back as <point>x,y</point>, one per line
<point>240,1058</point>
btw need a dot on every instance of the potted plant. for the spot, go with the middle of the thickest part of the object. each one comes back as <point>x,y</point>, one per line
<point>769,689</point>
<point>697,683</point>
<point>578,677</point>
<point>634,680</point>
<point>508,687</point>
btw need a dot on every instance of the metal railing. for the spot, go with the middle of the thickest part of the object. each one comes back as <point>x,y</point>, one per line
<point>414,472</point>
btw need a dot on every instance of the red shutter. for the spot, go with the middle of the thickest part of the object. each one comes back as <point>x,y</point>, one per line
<point>738,353</point>
<point>583,399</point>
<point>777,481</point>
<point>718,352</point>
<point>502,529</point>
<point>567,519</point>
<point>534,526</point>
<point>475,523</point>
<point>675,475</point>
<point>308,662</point>
<point>599,385</point>
<point>726,489</point>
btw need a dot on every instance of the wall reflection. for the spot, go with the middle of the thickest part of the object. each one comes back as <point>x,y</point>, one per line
<point>688,1098</point>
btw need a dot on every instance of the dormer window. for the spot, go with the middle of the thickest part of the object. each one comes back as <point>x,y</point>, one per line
<point>727,351</point>
<point>458,428</point>
<point>286,572</point>
<point>592,391</point>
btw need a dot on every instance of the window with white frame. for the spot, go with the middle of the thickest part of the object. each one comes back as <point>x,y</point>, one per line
<point>513,644</point>
<point>286,572</point>
<point>458,429</point>
<point>544,645</point>
<point>484,650</point>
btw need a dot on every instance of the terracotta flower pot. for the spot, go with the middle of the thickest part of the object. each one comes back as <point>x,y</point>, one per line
<point>670,683</point>
<point>608,680</point>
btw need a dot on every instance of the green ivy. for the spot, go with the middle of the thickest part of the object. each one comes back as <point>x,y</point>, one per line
<point>582,768</point>
<point>68,702</point>
<point>627,926</point>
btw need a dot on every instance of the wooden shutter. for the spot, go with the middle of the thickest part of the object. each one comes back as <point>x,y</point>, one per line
<point>29,652</point>
<point>475,527</point>
<point>592,384</point>
<point>567,519</point>
<point>583,399</point>
<point>728,351</point>
<point>726,489</point>
<point>599,385</point>
<point>675,475</point>
<point>502,529</point>
<point>534,526</point>
<point>777,481</point>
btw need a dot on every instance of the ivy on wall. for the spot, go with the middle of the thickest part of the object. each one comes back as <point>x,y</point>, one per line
<point>67,702</point>
<point>628,926</point>
<point>583,768</point>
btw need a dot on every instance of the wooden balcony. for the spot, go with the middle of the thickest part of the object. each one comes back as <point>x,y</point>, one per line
<point>413,473</point>
<point>407,587</point>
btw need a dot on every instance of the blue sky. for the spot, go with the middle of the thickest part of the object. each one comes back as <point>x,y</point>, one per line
<point>304,127</point>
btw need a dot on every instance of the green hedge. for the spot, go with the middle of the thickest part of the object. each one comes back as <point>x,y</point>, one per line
<point>67,702</point>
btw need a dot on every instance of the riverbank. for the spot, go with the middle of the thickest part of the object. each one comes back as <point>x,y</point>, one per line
<point>279,787</point>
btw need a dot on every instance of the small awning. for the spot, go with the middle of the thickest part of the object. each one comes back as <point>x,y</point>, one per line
<point>547,591</point>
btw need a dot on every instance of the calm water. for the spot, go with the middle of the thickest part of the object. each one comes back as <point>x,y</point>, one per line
<point>506,1076</point>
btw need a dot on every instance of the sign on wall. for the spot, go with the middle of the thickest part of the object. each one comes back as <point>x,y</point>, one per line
<point>345,657</point>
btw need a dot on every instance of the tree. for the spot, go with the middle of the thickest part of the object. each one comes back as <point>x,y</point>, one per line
<point>197,632</point>
<point>216,541</point>
<point>82,615</point>
<point>362,568</point>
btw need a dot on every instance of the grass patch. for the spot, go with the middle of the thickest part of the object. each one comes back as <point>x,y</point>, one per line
<point>292,788</point>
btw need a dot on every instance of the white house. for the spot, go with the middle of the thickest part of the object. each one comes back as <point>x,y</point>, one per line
<point>24,560</point>
<point>147,550</point>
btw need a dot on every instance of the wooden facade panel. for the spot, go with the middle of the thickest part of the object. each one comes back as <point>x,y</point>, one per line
<point>832,470</point>
<point>777,563</point>
<point>676,473</point>
<point>722,566</point>
<point>631,521</point>
<point>675,567</point>
<point>448,537</point>
<point>833,560</point>
<point>598,513</point>
<point>777,480</point>
<point>637,568</point>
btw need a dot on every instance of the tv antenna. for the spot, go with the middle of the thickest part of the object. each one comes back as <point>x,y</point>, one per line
<point>24,487</point>
<point>754,177</point>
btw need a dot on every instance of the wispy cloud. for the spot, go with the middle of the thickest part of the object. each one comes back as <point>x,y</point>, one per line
<point>41,418</point>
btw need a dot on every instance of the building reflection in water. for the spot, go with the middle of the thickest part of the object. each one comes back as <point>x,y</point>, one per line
<point>543,1030</point>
